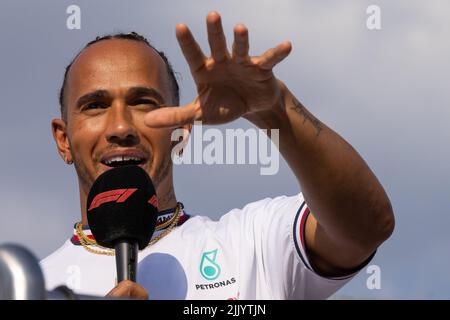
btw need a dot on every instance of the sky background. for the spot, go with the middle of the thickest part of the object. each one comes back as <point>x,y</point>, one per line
<point>387,92</point>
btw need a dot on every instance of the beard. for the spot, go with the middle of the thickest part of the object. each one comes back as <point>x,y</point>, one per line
<point>85,177</point>
<point>163,170</point>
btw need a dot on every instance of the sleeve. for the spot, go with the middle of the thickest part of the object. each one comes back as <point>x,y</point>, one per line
<point>277,227</point>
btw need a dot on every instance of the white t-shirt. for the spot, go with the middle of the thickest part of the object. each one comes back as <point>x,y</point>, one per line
<point>256,252</point>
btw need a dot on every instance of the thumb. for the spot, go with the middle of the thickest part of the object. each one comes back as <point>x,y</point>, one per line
<point>172,117</point>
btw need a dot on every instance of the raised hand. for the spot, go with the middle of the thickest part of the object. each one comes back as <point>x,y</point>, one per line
<point>229,85</point>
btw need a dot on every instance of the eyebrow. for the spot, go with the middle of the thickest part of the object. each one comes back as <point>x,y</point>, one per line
<point>92,96</point>
<point>133,92</point>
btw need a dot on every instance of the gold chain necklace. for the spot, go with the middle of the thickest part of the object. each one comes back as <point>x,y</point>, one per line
<point>85,241</point>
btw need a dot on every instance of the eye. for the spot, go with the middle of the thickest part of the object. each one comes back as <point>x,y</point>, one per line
<point>144,102</point>
<point>95,105</point>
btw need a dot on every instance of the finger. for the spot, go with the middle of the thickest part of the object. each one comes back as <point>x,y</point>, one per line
<point>172,117</point>
<point>216,37</point>
<point>138,292</point>
<point>240,44</point>
<point>190,48</point>
<point>128,289</point>
<point>275,55</point>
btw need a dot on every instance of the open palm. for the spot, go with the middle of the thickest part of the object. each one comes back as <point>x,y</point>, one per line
<point>229,85</point>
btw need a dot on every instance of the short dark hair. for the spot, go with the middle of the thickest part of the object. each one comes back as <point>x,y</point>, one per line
<point>134,36</point>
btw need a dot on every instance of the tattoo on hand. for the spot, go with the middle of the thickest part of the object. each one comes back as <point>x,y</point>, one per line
<point>307,116</point>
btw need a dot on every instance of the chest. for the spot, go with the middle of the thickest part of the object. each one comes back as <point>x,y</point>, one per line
<point>207,271</point>
<point>208,274</point>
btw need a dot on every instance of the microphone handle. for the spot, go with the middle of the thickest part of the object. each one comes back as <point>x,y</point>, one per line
<point>126,259</point>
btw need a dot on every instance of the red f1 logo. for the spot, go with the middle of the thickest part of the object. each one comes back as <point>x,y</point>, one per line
<point>153,201</point>
<point>119,195</point>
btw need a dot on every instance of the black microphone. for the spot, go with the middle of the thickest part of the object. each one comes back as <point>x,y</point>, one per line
<point>122,212</point>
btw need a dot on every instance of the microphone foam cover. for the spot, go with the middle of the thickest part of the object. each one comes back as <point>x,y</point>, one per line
<point>122,204</point>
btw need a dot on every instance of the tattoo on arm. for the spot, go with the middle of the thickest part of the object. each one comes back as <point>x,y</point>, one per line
<point>307,116</point>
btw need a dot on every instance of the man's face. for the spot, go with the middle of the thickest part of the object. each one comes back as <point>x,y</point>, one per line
<point>111,86</point>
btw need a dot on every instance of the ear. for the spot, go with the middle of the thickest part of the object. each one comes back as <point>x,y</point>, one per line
<point>62,141</point>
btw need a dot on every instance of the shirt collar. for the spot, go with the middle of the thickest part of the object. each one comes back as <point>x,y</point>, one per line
<point>163,216</point>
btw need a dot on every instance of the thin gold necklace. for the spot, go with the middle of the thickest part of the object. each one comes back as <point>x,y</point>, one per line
<point>85,241</point>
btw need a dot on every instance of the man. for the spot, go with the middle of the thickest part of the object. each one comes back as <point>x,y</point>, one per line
<point>119,105</point>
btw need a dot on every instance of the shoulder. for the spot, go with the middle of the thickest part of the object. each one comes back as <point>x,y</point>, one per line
<point>55,257</point>
<point>243,215</point>
<point>54,266</point>
<point>266,206</point>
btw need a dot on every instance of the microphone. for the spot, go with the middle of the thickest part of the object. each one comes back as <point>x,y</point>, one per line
<point>122,214</point>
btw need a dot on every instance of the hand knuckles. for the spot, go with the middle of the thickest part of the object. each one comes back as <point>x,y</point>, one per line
<point>127,285</point>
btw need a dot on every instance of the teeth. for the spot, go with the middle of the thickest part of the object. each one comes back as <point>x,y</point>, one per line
<point>130,158</point>
<point>114,159</point>
<point>121,158</point>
